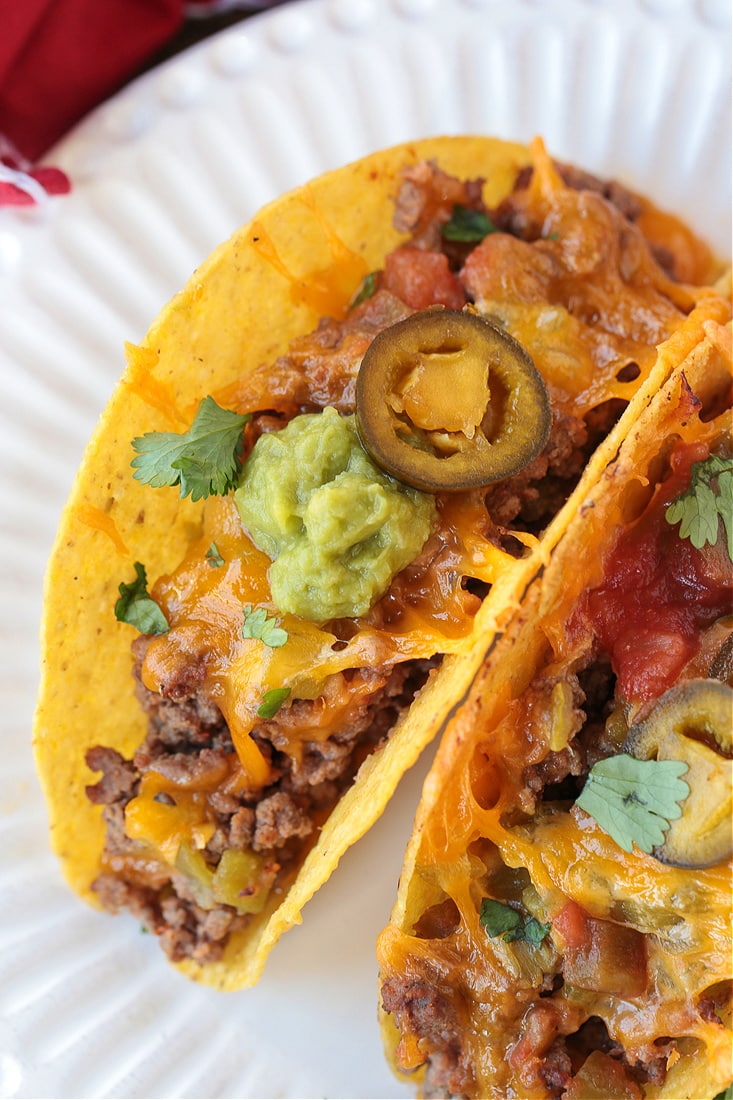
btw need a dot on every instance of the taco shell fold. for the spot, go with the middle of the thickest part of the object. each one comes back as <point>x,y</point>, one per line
<point>613,974</point>
<point>303,257</point>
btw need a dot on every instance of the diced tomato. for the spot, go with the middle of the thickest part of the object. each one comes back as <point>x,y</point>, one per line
<point>572,924</point>
<point>601,955</point>
<point>599,1077</point>
<point>651,658</point>
<point>540,1026</point>
<point>421,279</point>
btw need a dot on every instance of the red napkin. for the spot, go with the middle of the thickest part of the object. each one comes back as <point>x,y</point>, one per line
<point>59,58</point>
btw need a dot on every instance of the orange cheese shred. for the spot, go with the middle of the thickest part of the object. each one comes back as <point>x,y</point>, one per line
<point>102,521</point>
<point>139,379</point>
<point>327,291</point>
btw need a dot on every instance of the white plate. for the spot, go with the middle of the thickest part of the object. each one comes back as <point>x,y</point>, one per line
<point>638,89</point>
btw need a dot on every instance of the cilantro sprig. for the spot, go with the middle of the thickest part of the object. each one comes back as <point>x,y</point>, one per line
<point>205,460</point>
<point>503,920</point>
<point>272,701</point>
<point>634,801</point>
<point>138,608</point>
<point>467,225</point>
<point>258,624</point>
<point>366,290</point>
<point>707,501</point>
<point>213,557</point>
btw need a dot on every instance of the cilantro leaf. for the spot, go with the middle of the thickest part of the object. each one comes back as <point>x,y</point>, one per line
<point>468,226</point>
<point>727,1094</point>
<point>535,931</point>
<point>708,500</point>
<point>365,291</point>
<point>725,506</point>
<point>697,515</point>
<point>213,557</point>
<point>205,460</point>
<point>258,624</point>
<point>138,608</point>
<point>633,800</point>
<point>498,918</point>
<point>272,701</point>
<point>502,920</point>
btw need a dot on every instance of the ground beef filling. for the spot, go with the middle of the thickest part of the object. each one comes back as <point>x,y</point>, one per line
<point>187,741</point>
<point>543,1044</point>
<point>187,737</point>
<point>418,1006</point>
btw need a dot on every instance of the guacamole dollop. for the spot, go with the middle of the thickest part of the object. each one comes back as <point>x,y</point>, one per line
<point>337,528</point>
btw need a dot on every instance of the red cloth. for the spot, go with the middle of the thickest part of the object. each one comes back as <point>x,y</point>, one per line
<point>60,58</point>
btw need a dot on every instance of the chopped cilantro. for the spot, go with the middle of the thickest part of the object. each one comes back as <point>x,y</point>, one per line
<point>138,608</point>
<point>272,701</point>
<point>366,290</point>
<point>499,919</point>
<point>708,500</point>
<point>205,460</point>
<point>502,920</point>
<point>633,800</point>
<point>213,556</point>
<point>258,624</point>
<point>468,226</point>
<point>534,931</point>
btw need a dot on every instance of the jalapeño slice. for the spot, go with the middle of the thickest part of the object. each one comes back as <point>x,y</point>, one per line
<point>693,722</point>
<point>446,400</point>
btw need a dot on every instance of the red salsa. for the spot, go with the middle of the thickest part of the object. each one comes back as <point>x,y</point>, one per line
<point>659,591</point>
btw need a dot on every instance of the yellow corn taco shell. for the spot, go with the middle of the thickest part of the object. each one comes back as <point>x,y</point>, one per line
<point>530,953</point>
<point>243,314</point>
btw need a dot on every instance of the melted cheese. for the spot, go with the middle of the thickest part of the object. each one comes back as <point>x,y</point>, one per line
<point>328,291</point>
<point>184,815</point>
<point>586,300</point>
<point>204,606</point>
<point>102,521</point>
<point>492,984</point>
<point>484,836</point>
<point>166,826</point>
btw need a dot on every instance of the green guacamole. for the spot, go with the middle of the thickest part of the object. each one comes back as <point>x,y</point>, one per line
<point>337,528</point>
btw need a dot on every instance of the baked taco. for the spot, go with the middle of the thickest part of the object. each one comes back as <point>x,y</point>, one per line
<point>563,921</point>
<point>307,496</point>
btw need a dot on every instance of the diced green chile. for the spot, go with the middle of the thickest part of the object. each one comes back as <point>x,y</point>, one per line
<point>693,722</point>
<point>336,526</point>
<point>505,434</point>
<point>235,881</point>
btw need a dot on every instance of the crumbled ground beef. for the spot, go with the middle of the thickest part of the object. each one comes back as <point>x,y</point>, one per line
<point>562,774</point>
<point>535,494</point>
<point>420,1008</point>
<point>426,201</point>
<point>547,778</point>
<point>189,743</point>
<point>506,216</point>
<point>278,818</point>
<point>542,1054</point>
<point>119,777</point>
<point>195,769</point>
